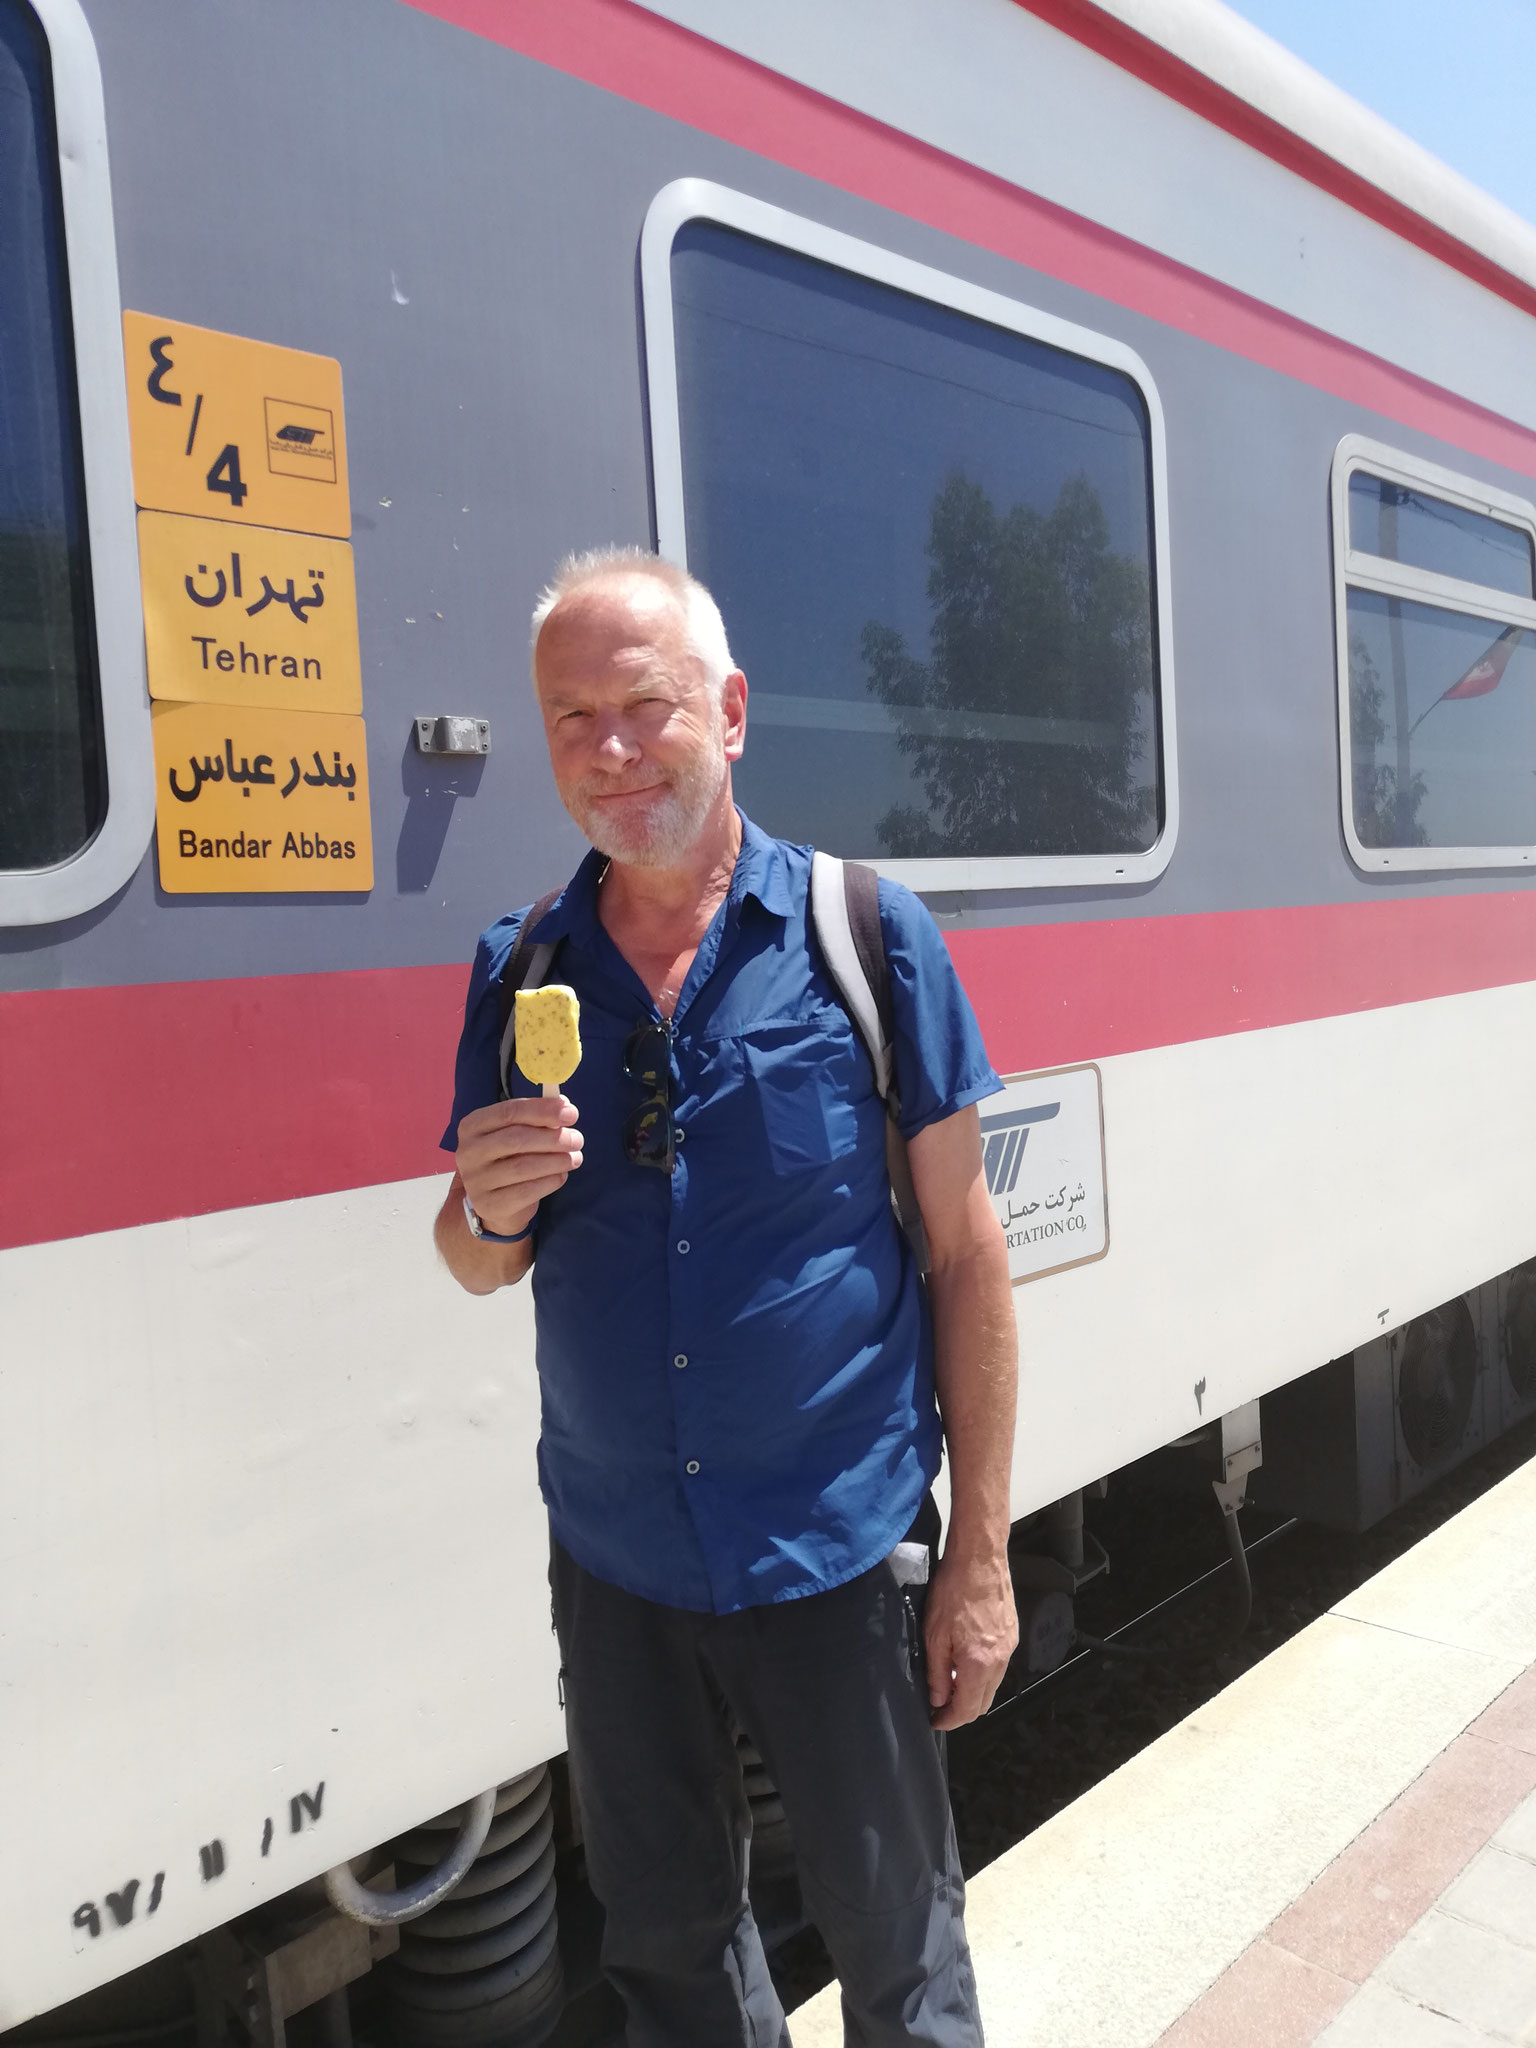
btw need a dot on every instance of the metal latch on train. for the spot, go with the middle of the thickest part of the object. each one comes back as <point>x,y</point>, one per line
<point>453,735</point>
<point>1242,1451</point>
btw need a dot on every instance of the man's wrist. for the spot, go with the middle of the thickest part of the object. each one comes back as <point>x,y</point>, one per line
<point>974,1552</point>
<point>481,1230</point>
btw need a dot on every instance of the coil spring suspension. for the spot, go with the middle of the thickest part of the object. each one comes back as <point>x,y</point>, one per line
<point>484,1966</point>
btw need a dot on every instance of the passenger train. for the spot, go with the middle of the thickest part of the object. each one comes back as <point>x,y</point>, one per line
<point>1114,453</point>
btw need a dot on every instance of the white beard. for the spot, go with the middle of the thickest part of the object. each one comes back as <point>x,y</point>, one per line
<point>658,834</point>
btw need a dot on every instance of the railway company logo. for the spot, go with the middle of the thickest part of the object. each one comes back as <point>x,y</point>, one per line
<point>301,440</point>
<point>1003,1141</point>
<point>1042,1152</point>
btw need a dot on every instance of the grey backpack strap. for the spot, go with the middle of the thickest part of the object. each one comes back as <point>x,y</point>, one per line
<point>527,966</point>
<point>845,916</point>
<point>903,1193</point>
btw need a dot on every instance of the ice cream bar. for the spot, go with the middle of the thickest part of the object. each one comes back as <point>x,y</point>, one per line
<point>548,1034</point>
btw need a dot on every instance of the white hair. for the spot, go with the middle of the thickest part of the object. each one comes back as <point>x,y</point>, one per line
<point>701,615</point>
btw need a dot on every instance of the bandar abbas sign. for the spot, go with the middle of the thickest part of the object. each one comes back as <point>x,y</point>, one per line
<point>252,801</point>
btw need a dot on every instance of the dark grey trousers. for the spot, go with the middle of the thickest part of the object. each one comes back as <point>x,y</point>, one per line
<point>832,1691</point>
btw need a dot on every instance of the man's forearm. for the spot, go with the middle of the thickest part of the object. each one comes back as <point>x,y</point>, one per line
<point>479,1267</point>
<point>976,1375</point>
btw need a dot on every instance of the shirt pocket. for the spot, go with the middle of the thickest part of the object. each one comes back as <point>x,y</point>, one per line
<point>804,1086</point>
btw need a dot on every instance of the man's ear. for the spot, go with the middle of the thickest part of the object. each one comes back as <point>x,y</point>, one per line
<point>733,712</point>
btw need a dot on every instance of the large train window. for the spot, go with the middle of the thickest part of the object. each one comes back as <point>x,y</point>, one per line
<point>933,520</point>
<point>51,765</point>
<point>1436,616</point>
<point>76,788</point>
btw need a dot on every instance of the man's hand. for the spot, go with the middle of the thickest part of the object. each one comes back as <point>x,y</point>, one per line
<point>971,1629</point>
<point>512,1154</point>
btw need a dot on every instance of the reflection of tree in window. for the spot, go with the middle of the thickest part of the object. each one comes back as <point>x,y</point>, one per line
<point>1383,815</point>
<point>1027,727</point>
<point>49,765</point>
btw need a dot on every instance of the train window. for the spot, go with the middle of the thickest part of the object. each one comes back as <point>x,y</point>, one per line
<point>1436,609</point>
<point>52,790</point>
<point>1401,524</point>
<point>932,520</point>
<point>71,726</point>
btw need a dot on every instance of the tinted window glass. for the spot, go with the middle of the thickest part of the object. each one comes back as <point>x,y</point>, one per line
<point>1410,526</point>
<point>1442,726</point>
<point>52,786</point>
<point>932,543</point>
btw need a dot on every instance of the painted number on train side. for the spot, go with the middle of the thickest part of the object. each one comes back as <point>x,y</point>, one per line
<point>228,428</point>
<point>137,1899</point>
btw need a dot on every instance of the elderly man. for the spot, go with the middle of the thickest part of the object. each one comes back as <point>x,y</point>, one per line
<point>744,1378</point>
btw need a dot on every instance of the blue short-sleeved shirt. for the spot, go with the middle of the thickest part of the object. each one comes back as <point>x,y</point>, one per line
<point>735,1360</point>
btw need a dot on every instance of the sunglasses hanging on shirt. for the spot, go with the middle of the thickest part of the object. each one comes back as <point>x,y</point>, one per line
<point>650,1137</point>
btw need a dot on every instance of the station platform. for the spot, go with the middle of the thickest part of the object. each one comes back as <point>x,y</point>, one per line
<point>1339,1849</point>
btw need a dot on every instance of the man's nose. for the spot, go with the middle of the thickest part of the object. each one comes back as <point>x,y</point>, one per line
<point>616,747</point>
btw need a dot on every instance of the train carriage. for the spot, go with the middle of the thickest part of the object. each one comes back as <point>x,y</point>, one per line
<point>1114,453</point>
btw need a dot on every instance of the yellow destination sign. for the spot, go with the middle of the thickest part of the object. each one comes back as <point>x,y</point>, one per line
<point>227,428</point>
<point>243,615</point>
<point>260,802</point>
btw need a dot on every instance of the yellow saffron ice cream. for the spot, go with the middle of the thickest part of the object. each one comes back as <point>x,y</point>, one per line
<point>548,1034</point>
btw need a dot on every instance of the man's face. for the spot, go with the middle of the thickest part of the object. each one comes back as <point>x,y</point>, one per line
<point>640,744</point>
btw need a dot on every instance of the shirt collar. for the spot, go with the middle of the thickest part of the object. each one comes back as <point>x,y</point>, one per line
<point>761,870</point>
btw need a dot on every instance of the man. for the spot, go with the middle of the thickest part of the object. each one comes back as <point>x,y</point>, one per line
<point>737,1364</point>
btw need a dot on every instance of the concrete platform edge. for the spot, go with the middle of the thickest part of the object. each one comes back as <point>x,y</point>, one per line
<point>1104,1926</point>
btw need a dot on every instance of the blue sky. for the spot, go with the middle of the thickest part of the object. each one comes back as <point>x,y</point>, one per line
<point>1456,75</point>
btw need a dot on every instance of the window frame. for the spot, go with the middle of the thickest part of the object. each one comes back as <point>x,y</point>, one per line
<point>34,896</point>
<point>1353,568</point>
<point>691,199</point>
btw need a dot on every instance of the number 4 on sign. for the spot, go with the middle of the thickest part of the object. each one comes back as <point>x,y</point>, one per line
<point>225,474</point>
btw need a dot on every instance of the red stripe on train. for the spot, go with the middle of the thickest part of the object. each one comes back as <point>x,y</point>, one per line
<point>130,1105</point>
<point>640,57</point>
<point>1051,994</point>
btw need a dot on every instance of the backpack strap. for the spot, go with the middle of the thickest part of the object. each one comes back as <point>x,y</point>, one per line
<point>845,916</point>
<point>527,966</point>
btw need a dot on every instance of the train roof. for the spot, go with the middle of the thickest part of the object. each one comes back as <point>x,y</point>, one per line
<point>1250,70</point>
<point>891,59</point>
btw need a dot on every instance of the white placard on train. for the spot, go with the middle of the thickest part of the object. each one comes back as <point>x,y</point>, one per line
<point>1043,1149</point>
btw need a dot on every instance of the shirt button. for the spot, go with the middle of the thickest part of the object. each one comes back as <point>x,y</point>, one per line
<point>683,1244</point>
<point>681,1360</point>
<point>678,1137</point>
<point>692,1466</point>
